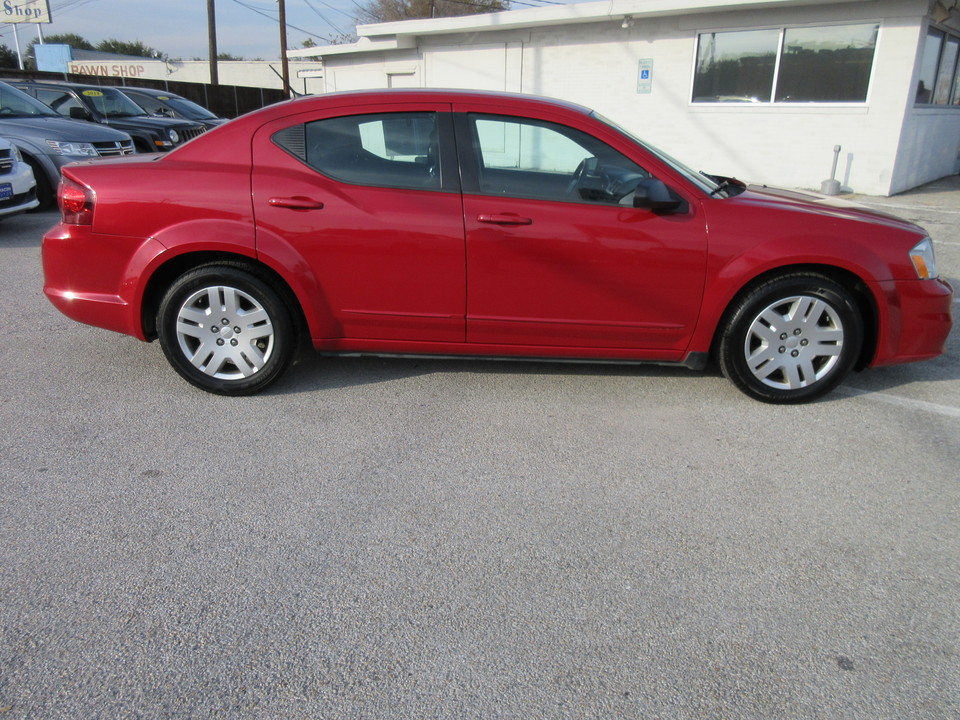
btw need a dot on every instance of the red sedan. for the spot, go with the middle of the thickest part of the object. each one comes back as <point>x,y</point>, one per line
<point>476,224</point>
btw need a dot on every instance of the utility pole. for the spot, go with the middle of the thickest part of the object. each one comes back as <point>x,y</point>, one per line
<point>212,36</point>
<point>285,67</point>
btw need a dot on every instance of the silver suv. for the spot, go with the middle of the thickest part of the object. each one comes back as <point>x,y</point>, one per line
<point>48,141</point>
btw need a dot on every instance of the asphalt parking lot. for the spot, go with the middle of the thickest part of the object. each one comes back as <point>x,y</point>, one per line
<point>426,539</point>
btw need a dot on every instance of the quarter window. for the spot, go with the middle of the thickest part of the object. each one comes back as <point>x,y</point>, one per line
<point>786,65</point>
<point>60,101</point>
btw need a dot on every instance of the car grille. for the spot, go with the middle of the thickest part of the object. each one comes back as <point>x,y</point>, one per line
<point>6,162</point>
<point>112,149</point>
<point>191,133</point>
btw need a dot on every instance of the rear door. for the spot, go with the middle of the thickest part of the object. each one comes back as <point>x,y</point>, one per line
<point>369,201</point>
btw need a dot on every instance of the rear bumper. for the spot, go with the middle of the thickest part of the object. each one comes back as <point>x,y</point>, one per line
<point>104,293</point>
<point>918,323</point>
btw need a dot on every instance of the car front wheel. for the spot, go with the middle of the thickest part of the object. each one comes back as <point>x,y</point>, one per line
<point>225,330</point>
<point>791,339</point>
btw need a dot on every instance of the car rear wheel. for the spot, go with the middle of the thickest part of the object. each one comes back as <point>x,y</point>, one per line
<point>225,330</point>
<point>791,339</point>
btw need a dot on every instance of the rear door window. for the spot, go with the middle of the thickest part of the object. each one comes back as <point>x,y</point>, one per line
<point>398,150</point>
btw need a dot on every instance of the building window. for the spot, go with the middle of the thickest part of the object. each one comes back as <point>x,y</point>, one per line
<point>939,82</point>
<point>830,64</point>
<point>928,66</point>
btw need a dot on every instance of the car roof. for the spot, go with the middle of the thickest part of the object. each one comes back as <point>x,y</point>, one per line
<point>148,91</point>
<point>439,95</point>
<point>221,143</point>
<point>62,83</point>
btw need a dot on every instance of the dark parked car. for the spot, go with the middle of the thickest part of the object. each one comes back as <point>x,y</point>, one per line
<point>109,106</point>
<point>474,224</point>
<point>167,104</point>
<point>48,141</point>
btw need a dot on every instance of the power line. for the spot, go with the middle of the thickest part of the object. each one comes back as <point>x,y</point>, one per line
<point>320,15</point>
<point>276,20</point>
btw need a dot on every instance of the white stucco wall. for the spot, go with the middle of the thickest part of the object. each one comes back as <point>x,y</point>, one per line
<point>778,144</point>
<point>885,143</point>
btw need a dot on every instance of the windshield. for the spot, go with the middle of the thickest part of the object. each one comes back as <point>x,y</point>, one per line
<point>14,103</point>
<point>187,108</point>
<point>111,103</point>
<point>699,179</point>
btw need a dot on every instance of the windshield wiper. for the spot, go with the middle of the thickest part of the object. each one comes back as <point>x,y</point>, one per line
<point>721,186</point>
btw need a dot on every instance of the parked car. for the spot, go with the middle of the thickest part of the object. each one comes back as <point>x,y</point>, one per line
<point>18,188</point>
<point>447,223</point>
<point>48,141</point>
<point>109,106</point>
<point>166,104</point>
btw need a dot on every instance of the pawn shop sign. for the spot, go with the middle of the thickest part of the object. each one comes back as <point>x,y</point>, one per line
<point>25,11</point>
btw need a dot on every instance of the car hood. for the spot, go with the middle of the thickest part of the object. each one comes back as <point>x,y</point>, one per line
<point>139,122</point>
<point>57,128</point>
<point>800,201</point>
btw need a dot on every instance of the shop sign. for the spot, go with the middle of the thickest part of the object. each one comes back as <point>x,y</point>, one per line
<point>25,11</point>
<point>130,70</point>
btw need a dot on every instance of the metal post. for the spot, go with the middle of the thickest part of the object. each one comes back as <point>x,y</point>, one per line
<point>832,186</point>
<point>16,40</point>
<point>284,65</point>
<point>212,38</point>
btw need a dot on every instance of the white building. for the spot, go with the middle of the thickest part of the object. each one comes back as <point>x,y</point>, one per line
<point>762,89</point>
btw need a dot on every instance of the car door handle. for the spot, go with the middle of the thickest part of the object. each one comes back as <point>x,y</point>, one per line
<point>504,219</point>
<point>297,202</point>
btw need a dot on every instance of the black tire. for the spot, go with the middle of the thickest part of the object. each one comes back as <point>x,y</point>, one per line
<point>791,339</point>
<point>225,330</point>
<point>46,194</point>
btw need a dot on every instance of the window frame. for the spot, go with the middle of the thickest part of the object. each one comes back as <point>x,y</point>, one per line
<point>778,59</point>
<point>471,155</point>
<point>449,165</point>
<point>953,94</point>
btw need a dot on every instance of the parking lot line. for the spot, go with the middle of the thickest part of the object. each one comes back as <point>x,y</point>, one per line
<point>945,410</point>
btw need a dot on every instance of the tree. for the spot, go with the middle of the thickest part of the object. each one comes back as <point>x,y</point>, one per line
<point>120,47</point>
<point>377,11</point>
<point>8,58</point>
<point>71,39</point>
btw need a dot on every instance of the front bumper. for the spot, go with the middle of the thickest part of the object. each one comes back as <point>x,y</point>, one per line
<point>918,321</point>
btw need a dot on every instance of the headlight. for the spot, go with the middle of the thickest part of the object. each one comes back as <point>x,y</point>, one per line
<point>924,259</point>
<point>174,136</point>
<point>77,149</point>
<point>16,154</point>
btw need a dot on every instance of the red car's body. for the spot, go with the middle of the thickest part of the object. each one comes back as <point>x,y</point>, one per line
<point>458,268</point>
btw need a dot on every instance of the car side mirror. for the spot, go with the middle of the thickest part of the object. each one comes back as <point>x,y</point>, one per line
<point>652,194</point>
<point>78,113</point>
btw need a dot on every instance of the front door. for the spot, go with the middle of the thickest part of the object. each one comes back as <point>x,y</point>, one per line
<point>557,255</point>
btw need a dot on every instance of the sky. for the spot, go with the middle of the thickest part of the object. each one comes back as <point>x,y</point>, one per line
<point>178,28</point>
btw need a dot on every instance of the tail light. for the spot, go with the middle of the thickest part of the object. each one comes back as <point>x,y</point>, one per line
<point>76,202</point>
